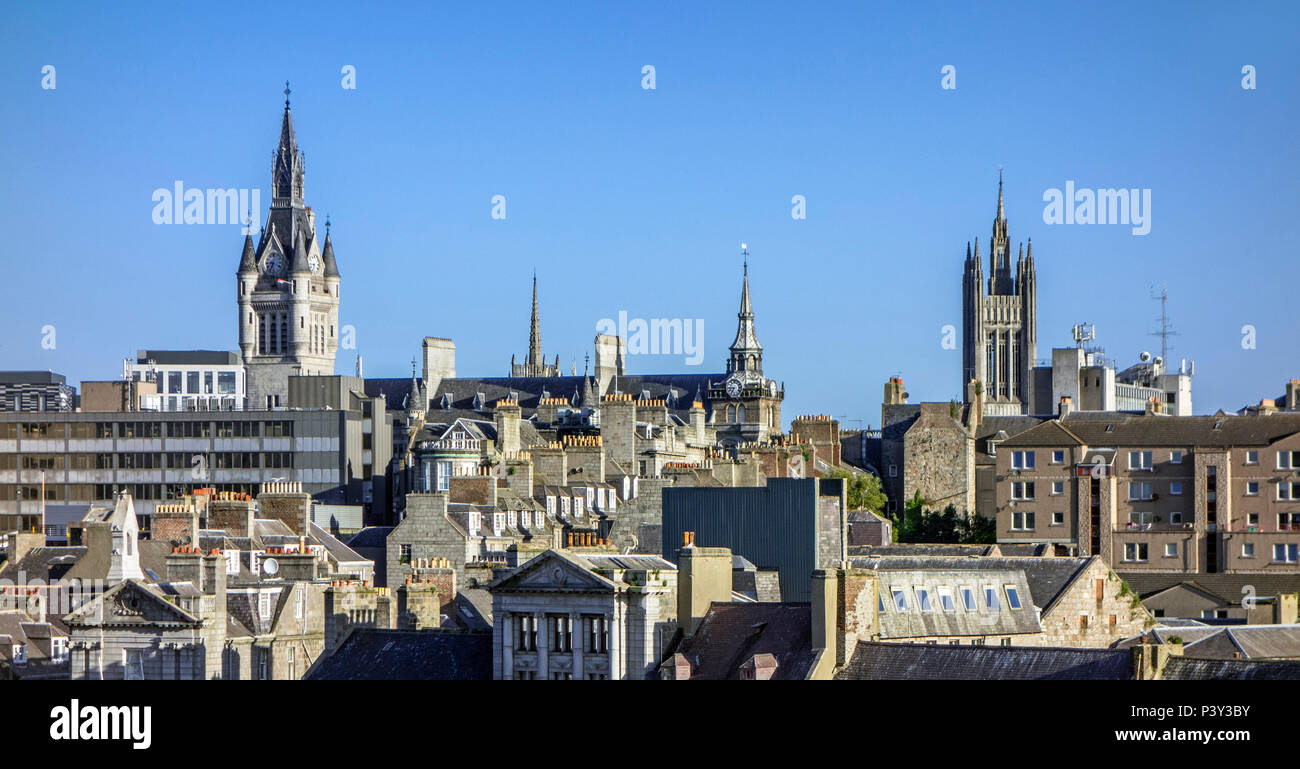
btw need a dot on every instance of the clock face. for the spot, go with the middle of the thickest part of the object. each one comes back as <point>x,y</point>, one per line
<point>275,264</point>
<point>314,264</point>
<point>733,388</point>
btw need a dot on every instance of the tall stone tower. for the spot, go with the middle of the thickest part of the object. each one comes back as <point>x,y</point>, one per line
<point>288,285</point>
<point>746,404</point>
<point>999,323</point>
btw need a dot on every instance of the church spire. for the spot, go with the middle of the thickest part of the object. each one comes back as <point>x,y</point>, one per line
<point>534,332</point>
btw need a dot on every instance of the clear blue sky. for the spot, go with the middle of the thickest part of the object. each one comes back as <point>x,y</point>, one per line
<point>635,200</point>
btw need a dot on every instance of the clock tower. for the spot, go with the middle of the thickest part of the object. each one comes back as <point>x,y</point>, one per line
<point>287,284</point>
<point>746,404</point>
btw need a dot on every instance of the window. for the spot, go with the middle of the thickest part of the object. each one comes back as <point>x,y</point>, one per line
<point>900,599</point>
<point>597,635</point>
<point>1021,490</point>
<point>1252,457</point>
<point>1083,621</point>
<point>1288,521</point>
<point>991,598</point>
<point>1139,460</point>
<point>1252,488</point>
<point>1058,457</point>
<point>1175,488</point>
<point>1288,490</point>
<point>1013,597</point>
<point>1137,518</point>
<point>945,600</point>
<point>1252,519</point>
<point>527,640</point>
<point>968,598</point>
<point>1176,518</point>
<point>1286,553</point>
<point>1139,490</point>
<point>1058,488</point>
<point>923,599</point>
<point>560,632</point>
<point>1006,642</point>
<point>232,561</point>
<point>1021,521</point>
<point>893,471</point>
<point>1135,551</point>
<point>20,654</point>
<point>1288,460</point>
<point>1248,550</point>
<point>1176,457</point>
<point>300,603</point>
<point>1022,460</point>
<point>475,522</point>
<point>1058,519</point>
<point>498,524</point>
<point>264,605</point>
<point>1171,549</point>
<point>404,554</point>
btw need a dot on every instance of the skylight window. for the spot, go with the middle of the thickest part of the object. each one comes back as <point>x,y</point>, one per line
<point>968,599</point>
<point>923,599</point>
<point>900,599</point>
<point>991,598</point>
<point>945,600</point>
<point>1013,597</point>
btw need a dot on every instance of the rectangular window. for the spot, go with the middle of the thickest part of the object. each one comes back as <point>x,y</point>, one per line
<point>1013,597</point>
<point>264,605</point>
<point>1022,490</point>
<point>1022,460</point>
<point>300,603</point>
<point>945,600</point>
<point>1252,488</point>
<point>1286,553</point>
<point>1058,519</point>
<point>1140,518</point>
<point>1058,457</point>
<point>1058,488</point>
<point>1176,457</point>
<point>1248,550</point>
<point>1022,521</point>
<point>1139,490</point>
<point>1288,460</point>
<point>1252,519</point>
<point>1139,460</point>
<point>900,599</point>
<point>968,598</point>
<point>991,598</point>
<point>1252,457</point>
<point>1175,488</point>
<point>923,599</point>
<point>1176,518</point>
<point>1171,549</point>
<point>1135,551</point>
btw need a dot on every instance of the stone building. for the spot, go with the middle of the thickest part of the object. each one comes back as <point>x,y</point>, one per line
<point>568,614</point>
<point>1217,494</point>
<point>287,286</point>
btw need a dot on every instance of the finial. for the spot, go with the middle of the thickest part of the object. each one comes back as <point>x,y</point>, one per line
<point>286,94</point>
<point>327,225</point>
<point>744,252</point>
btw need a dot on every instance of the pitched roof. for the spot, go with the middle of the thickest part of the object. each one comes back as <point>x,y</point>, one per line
<point>1231,587</point>
<point>1102,428</point>
<point>1188,669</point>
<point>732,633</point>
<point>372,654</point>
<point>874,661</point>
<point>1231,641</point>
<point>1047,577</point>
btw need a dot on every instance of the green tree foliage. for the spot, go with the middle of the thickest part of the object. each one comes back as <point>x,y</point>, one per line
<point>864,490</point>
<point>921,525</point>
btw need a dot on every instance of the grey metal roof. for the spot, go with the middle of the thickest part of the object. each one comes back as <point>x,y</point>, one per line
<point>874,661</point>
<point>371,654</point>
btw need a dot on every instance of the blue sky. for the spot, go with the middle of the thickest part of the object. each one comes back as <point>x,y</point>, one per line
<point>637,200</point>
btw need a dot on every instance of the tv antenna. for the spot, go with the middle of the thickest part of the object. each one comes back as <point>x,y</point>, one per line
<point>1166,330</point>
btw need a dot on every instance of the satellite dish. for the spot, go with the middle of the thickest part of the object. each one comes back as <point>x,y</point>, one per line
<point>1159,361</point>
<point>270,566</point>
<point>1144,356</point>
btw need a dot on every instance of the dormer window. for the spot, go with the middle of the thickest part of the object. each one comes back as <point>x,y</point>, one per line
<point>498,524</point>
<point>475,523</point>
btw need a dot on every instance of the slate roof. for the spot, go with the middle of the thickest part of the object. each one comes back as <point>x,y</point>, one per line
<point>732,633</point>
<point>1047,577</point>
<point>1186,669</point>
<point>1227,642</point>
<point>1230,587</point>
<point>409,655</point>
<point>43,563</point>
<point>1091,427</point>
<point>874,661</point>
<point>913,621</point>
<point>921,549</point>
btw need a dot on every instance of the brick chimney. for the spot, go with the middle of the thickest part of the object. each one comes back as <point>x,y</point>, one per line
<point>175,524</point>
<point>507,415</point>
<point>286,501</point>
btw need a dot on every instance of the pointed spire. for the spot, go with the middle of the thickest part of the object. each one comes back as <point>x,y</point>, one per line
<point>746,347</point>
<point>535,333</point>
<point>287,170</point>
<point>327,255</point>
<point>298,263</point>
<point>247,262</point>
<point>1001,213</point>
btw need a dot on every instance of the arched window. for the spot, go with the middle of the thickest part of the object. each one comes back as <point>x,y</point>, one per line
<point>740,414</point>
<point>731,413</point>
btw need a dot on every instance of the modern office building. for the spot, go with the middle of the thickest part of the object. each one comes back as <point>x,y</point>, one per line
<point>189,380</point>
<point>35,391</point>
<point>335,444</point>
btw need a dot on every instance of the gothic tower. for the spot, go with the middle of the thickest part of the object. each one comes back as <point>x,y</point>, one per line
<point>746,404</point>
<point>288,285</point>
<point>999,323</point>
